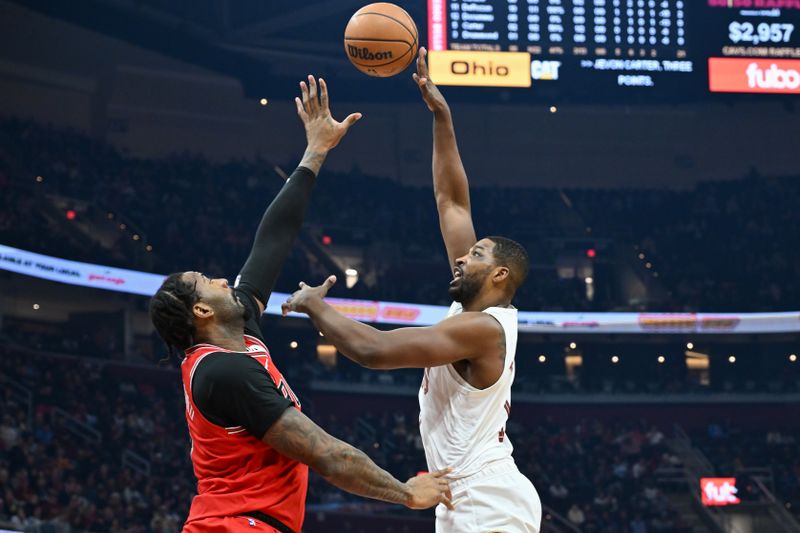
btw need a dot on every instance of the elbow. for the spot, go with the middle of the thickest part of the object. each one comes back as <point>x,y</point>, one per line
<point>332,466</point>
<point>374,358</point>
<point>368,353</point>
<point>325,467</point>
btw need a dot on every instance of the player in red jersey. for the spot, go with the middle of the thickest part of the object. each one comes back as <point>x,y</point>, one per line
<point>251,445</point>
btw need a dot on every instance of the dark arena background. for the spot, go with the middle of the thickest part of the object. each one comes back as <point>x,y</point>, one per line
<point>646,153</point>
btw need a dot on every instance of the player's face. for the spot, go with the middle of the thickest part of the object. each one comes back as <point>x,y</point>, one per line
<point>219,295</point>
<point>470,272</point>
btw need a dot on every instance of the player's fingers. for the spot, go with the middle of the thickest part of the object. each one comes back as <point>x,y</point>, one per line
<point>330,281</point>
<point>304,95</point>
<point>285,308</point>
<point>422,65</point>
<point>446,501</point>
<point>351,119</point>
<point>443,472</point>
<point>323,95</point>
<point>312,94</point>
<point>300,109</point>
<point>302,285</point>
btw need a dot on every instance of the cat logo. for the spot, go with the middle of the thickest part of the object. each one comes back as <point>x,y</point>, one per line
<point>480,69</point>
<point>545,70</point>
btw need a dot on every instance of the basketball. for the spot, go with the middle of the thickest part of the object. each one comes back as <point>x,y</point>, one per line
<point>381,39</point>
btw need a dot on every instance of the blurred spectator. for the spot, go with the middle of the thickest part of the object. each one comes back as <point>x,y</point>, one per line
<point>726,246</point>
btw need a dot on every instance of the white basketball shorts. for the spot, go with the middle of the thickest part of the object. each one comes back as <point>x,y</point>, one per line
<point>496,499</point>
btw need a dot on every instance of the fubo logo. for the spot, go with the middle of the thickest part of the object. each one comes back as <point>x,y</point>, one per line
<point>772,78</point>
<point>748,75</point>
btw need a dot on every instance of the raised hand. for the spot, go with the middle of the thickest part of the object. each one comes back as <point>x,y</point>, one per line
<point>298,301</point>
<point>322,131</point>
<point>428,490</point>
<point>430,93</point>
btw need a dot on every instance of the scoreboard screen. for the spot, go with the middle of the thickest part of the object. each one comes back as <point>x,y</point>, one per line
<point>613,47</point>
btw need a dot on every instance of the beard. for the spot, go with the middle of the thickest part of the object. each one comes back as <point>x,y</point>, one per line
<point>247,313</point>
<point>466,289</point>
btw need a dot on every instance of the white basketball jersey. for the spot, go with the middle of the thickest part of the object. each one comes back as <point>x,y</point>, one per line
<point>461,426</point>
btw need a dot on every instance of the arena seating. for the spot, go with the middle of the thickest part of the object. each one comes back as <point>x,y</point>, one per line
<point>64,465</point>
<point>707,256</point>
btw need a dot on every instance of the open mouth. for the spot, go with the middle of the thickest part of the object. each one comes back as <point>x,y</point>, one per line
<point>457,275</point>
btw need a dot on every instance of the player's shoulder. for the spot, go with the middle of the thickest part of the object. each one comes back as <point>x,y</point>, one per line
<point>225,367</point>
<point>472,324</point>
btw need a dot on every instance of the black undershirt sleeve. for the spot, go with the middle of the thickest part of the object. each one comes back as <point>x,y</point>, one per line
<point>275,235</point>
<point>252,325</point>
<point>233,389</point>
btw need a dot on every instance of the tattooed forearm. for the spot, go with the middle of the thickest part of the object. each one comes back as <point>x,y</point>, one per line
<point>296,436</point>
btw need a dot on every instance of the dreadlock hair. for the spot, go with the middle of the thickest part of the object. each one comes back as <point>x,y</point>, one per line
<point>512,255</point>
<point>171,312</point>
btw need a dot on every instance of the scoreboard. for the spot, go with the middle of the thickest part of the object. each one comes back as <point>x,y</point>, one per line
<point>613,47</point>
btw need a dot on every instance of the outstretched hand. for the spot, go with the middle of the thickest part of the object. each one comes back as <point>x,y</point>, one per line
<point>298,302</point>
<point>322,131</point>
<point>430,489</point>
<point>430,93</point>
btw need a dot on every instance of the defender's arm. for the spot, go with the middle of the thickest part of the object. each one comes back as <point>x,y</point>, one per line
<point>296,436</point>
<point>283,218</point>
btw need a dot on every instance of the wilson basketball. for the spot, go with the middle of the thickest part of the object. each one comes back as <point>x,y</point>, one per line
<point>381,39</point>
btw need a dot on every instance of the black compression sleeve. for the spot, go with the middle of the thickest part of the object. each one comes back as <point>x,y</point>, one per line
<point>275,235</point>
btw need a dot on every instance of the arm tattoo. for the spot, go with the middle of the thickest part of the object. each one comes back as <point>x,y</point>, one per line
<point>312,160</point>
<point>296,436</point>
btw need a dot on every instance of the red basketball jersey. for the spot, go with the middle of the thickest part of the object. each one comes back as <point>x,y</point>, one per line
<point>236,472</point>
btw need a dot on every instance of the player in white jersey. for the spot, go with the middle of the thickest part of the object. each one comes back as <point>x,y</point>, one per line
<point>465,396</point>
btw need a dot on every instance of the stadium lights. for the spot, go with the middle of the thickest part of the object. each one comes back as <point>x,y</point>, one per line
<point>661,359</point>
<point>35,307</point>
<point>732,359</point>
<point>542,358</point>
<point>689,345</point>
<point>148,248</point>
<point>293,345</point>
<point>589,280</point>
<point>351,277</point>
<point>572,346</point>
<point>553,109</point>
<point>641,255</point>
<point>648,265</point>
<point>263,101</point>
<point>615,359</point>
<point>793,358</point>
<point>39,179</point>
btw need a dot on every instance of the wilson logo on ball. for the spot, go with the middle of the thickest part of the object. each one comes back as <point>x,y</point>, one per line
<point>366,54</point>
<point>381,39</point>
